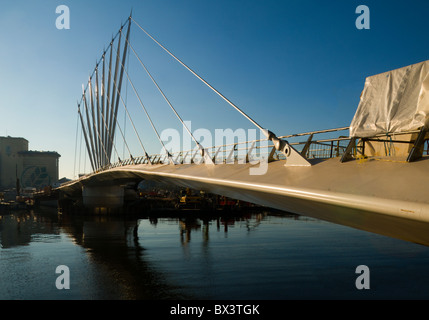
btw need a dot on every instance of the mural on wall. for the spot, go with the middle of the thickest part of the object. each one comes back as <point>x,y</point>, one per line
<point>34,176</point>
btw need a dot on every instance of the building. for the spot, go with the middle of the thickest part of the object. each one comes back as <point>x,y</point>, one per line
<point>35,169</point>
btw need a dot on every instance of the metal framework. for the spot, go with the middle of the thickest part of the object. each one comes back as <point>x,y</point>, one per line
<point>99,123</point>
<point>246,152</point>
<point>416,145</point>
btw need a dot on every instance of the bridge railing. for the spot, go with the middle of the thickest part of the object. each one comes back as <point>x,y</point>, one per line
<point>253,150</point>
<point>309,144</point>
<point>327,144</point>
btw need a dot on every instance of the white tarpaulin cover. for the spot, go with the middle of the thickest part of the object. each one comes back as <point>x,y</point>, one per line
<point>394,101</point>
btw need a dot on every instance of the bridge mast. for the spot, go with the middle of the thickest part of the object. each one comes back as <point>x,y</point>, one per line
<point>124,55</point>
<point>102,109</point>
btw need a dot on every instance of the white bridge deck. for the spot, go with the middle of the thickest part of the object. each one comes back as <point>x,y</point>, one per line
<point>385,196</point>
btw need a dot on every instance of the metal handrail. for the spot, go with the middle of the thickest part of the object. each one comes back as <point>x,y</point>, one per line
<point>231,153</point>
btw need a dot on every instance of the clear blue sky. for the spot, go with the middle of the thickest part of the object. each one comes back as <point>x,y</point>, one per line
<point>293,66</point>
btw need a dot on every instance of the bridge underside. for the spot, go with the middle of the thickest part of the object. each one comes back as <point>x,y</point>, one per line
<point>385,197</point>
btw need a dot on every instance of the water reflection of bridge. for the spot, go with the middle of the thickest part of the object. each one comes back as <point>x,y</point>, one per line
<point>112,245</point>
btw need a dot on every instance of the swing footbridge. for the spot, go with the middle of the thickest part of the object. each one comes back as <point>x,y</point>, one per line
<point>364,175</point>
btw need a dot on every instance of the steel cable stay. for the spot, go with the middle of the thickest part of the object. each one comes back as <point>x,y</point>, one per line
<point>103,146</point>
<point>93,154</point>
<point>119,86</point>
<point>80,153</point>
<point>86,137</point>
<point>132,123</point>
<point>82,136</point>
<point>204,81</point>
<point>109,134</point>
<point>280,145</point>
<point>94,124</point>
<point>98,136</point>
<point>111,120</point>
<point>78,158</point>
<point>111,143</point>
<point>102,97</point>
<point>97,103</point>
<point>149,118</point>
<point>102,108</point>
<point>107,103</point>
<point>206,158</point>
<point>101,113</point>
<point>135,131</point>
<point>99,141</point>
<point>111,43</point>
<point>91,140</point>
<point>90,135</point>
<point>75,146</point>
<point>115,95</point>
<point>94,134</point>
<point>126,101</point>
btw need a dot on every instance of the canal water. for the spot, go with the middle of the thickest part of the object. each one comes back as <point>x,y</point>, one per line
<point>251,256</point>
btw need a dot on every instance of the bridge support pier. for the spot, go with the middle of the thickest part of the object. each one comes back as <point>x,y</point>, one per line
<point>103,196</point>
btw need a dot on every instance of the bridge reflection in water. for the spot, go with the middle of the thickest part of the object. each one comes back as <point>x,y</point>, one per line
<point>112,263</point>
<point>352,194</point>
<point>248,256</point>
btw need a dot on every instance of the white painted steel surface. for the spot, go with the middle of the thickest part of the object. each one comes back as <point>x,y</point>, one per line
<point>379,195</point>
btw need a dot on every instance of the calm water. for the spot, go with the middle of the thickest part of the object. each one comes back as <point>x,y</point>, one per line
<point>257,256</point>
